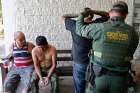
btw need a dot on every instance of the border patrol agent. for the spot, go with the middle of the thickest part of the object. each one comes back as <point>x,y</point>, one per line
<point>81,46</point>
<point>114,43</point>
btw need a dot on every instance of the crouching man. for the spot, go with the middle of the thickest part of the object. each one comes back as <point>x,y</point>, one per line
<point>44,57</point>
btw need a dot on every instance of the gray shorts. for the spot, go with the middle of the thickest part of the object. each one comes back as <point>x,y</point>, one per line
<point>17,74</point>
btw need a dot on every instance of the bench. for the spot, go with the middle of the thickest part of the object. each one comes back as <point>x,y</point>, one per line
<point>64,63</point>
<point>64,66</point>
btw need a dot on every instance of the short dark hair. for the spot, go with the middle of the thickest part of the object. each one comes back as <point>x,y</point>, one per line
<point>41,40</point>
<point>120,7</point>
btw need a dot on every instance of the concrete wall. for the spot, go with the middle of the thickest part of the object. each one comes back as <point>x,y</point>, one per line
<point>136,61</point>
<point>137,18</point>
<point>41,17</point>
<point>137,11</point>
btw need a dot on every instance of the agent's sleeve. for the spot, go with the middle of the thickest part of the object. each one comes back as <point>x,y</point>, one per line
<point>134,42</point>
<point>101,19</point>
<point>89,31</point>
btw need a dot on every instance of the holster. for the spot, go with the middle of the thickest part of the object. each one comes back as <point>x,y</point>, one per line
<point>90,76</point>
<point>97,70</point>
<point>131,82</point>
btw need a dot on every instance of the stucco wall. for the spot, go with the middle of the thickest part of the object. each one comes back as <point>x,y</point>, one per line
<point>41,17</point>
<point>137,1</point>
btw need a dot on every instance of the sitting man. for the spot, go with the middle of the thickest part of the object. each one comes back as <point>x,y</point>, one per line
<point>44,57</point>
<point>22,64</point>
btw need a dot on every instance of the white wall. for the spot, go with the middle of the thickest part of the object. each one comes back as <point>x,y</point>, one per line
<point>137,1</point>
<point>137,19</point>
<point>9,12</point>
<point>41,17</point>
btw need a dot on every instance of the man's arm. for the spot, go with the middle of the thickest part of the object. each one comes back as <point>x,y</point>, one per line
<point>101,13</point>
<point>88,31</point>
<point>36,65</point>
<point>6,60</point>
<point>10,50</point>
<point>53,67</point>
<point>104,16</point>
<point>135,41</point>
<point>134,45</point>
<point>70,15</point>
<point>70,23</point>
<point>30,47</point>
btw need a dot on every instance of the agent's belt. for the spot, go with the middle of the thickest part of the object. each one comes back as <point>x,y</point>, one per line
<point>99,55</point>
<point>113,73</point>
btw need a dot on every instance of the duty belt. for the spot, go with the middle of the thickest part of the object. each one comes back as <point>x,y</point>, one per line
<point>113,73</point>
<point>98,57</point>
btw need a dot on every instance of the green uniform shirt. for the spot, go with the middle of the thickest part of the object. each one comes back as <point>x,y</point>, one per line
<point>110,37</point>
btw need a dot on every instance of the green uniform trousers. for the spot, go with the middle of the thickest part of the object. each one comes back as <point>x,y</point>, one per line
<point>111,84</point>
<point>90,88</point>
<point>137,87</point>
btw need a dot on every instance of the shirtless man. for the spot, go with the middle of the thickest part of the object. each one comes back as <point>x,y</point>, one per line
<point>44,57</point>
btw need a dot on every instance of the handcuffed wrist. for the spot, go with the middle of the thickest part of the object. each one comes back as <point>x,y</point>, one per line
<point>41,79</point>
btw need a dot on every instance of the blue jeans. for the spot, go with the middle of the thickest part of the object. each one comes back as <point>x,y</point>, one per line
<point>79,72</point>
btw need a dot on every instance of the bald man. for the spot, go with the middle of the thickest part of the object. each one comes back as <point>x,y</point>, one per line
<point>22,64</point>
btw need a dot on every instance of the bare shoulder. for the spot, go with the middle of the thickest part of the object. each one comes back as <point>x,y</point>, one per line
<point>52,48</point>
<point>31,44</point>
<point>35,50</point>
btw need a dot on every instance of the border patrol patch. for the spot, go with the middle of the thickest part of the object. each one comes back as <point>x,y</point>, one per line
<point>117,35</point>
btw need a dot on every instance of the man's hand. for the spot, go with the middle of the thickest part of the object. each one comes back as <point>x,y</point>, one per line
<point>87,11</point>
<point>62,18</point>
<point>100,13</point>
<point>1,65</point>
<point>42,83</point>
<point>137,77</point>
<point>72,15</point>
<point>47,81</point>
